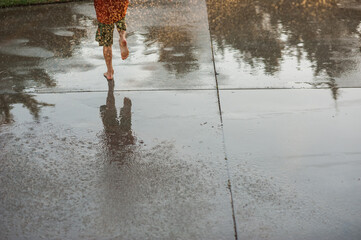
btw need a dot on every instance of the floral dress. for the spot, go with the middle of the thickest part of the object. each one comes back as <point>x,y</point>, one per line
<point>110,12</point>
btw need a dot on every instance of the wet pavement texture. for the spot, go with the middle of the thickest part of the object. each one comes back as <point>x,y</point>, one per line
<point>169,42</point>
<point>229,120</point>
<point>295,162</point>
<point>112,166</point>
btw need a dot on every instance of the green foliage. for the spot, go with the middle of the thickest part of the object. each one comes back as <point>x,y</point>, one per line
<point>8,3</point>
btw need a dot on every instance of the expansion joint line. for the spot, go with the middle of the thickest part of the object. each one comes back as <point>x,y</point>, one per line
<point>229,185</point>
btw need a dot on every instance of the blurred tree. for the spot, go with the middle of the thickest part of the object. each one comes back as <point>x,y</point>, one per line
<point>327,35</point>
<point>175,48</point>
<point>8,100</point>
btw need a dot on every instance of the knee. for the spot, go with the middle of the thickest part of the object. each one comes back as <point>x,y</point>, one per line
<point>107,50</point>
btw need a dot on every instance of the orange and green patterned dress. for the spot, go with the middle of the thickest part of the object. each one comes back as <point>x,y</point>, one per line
<point>109,12</point>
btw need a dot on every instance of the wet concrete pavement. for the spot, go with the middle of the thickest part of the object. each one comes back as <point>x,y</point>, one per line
<point>167,41</point>
<point>229,120</point>
<point>295,163</point>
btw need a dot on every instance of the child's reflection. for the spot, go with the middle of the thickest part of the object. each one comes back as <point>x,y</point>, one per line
<point>118,133</point>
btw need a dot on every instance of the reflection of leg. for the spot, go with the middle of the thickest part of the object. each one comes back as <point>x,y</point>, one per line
<point>108,112</point>
<point>126,115</point>
<point>126,122</point>
<point>110,97</point>
<point>107,52</point>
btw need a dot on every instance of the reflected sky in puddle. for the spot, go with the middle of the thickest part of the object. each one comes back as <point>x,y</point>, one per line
<point>23,51</point>
<point>285,44</point>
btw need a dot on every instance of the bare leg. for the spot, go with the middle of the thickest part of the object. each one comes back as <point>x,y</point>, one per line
<point>123,44</point>
<point>107,52</point>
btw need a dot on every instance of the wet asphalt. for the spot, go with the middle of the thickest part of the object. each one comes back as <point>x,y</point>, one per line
<point>229,120</point>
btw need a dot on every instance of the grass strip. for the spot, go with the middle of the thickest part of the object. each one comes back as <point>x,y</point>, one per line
<point>11,3</point>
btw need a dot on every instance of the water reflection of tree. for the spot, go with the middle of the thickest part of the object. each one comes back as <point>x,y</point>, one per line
<point>240,25</point>
<point>317,27</point>
<point>8,100</point>
<point>118,135</point>
<point>175,48</point>
<point>57,32</point>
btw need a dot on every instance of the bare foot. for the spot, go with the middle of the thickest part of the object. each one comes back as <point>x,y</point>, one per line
<point>109,75</point>
<point>124,49</point>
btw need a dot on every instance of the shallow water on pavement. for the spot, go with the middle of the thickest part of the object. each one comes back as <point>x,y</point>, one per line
<point>111,165</point>
<point>55,49</point>
<point>89,164</point>
<point>286,44</point>
<point>295,162</point>
<point>257,44</point>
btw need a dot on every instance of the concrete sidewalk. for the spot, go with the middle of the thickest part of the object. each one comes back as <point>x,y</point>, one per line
<point>229,120</point>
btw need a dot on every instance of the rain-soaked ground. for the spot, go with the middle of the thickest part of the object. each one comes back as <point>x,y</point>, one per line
<point>234,119</point>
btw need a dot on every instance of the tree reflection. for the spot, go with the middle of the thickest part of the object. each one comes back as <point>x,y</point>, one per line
<point>118,135</point>
<point>38,35</point>
<point>267,31</point>
<point>8,100</point>
<point>175,48</point>
<point>241,25</point>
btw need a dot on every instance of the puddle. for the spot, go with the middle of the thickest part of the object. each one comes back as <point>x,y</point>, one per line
<point>35,52</point>
<point>276,43</point>
<point>63,33</point>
